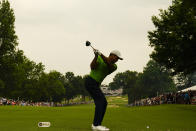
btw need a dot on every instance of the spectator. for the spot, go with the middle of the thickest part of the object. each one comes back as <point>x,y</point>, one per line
<point>4,101</point>
<point>187,98</point>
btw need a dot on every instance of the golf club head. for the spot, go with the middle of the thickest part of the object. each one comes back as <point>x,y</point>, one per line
<point>88,43</point>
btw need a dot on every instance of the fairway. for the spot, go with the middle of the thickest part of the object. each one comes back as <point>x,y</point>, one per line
<point>118,117</point>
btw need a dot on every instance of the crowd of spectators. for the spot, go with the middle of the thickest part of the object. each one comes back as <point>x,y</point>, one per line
<point>169,98</point>
<point>4,101</point>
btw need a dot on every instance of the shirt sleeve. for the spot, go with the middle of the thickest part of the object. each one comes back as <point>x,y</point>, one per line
<point>98,59</point>
<point>113,69</point>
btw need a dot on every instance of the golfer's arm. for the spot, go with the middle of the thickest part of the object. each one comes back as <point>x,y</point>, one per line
<point>94,63</point>
<point>112,69</point>
<point>111,66</point>
<point>105,59</point>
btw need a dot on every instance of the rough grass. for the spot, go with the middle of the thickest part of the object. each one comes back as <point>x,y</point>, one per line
<point>118,117</point>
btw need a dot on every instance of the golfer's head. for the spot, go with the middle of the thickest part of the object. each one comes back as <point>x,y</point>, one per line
<point>115,55</point>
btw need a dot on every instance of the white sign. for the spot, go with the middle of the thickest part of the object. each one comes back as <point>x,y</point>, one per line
<point>44,124</point>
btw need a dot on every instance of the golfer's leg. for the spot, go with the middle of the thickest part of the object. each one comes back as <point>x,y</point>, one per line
<point>98,112</point>
<point>93,89</point>
<point>105,103</point>
<point>100,109</point>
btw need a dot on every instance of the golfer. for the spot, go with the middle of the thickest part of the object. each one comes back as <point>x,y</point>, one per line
<point>101,66</point>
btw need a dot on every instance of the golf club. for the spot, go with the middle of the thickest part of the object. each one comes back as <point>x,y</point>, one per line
<point>89,44</point>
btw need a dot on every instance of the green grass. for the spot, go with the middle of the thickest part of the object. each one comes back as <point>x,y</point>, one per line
<point>118,117</point>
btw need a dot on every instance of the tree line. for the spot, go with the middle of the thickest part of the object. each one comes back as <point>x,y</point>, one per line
<point>172,64</point>
<point>24,79</point>
<point>152,81</point>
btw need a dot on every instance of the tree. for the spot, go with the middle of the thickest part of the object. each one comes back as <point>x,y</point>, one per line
<point>185,81</point>
<point>2,86</point>
<point>127,81</point>
<point>56,89</point>
<point>83,90</point>
<point>20,76</point>
<point>50,87</point>
<point>131,89</point>
<point>71,91</point>
<point>74,86</point>
<point>8,38</point>
<point>8,42</point>
<point>32,72</point>
<point>79,86</point>
<point>11,75</point>
<point>174,37</point>
<point>118,82</point>
<point>155,79</point>
<point>123,80</point>
<point>69,76</point>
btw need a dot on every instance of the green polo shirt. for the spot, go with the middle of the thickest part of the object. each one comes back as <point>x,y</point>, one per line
<point>101,71</point>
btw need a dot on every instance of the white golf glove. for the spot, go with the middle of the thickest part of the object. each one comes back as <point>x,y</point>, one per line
<point>97,52</point>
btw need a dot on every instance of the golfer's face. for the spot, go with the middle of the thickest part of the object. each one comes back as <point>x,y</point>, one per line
<point>114,58</point>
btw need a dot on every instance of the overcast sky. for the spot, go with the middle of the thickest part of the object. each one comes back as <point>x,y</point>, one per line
<point>54,32</point>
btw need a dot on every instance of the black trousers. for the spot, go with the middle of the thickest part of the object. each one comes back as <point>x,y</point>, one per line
<point>93,87</point>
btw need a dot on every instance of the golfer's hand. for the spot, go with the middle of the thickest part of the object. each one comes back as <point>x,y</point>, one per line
<point>97,52</point>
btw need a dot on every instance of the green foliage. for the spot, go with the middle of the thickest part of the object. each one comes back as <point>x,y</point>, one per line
<point>20,76</point>
<point>174,38</point>
<point>24,79</point>
<point>185,81</point>
<point>8,38</point>
<point>117,82</point>
<point>122,80</point>
<point>8,43</point>
<point>51,87</point>
<point>69,76</point>
<point>127,81</point>
<point>83,90</point>
<point>56,89</point>
<point>74,86</point>
<point>155,79</point>
<point>2,86</point>
<point>30,72</point>
<point>71,92</point>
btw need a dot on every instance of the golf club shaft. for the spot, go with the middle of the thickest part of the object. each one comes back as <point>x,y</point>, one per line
<point>92,47</point>
<point>89,44</point>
